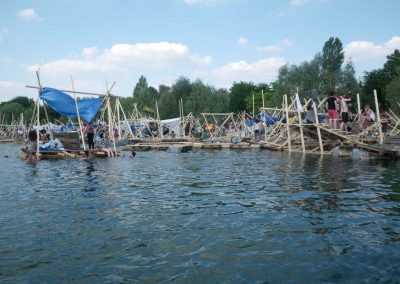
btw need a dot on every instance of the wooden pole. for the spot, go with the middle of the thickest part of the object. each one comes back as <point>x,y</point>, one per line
<point>79,117</point>
<point>110,121</point>
<point>358,104</point>
<point>378,117</point>
<point>118,117</point>
<point>160,130</point>
<point>265,115</point>
<point>125,119</point>
<point>38,119</point>
<point>287,124</point>
<point>254,115</point>
<point>321,146</point>
<point>303,147</point>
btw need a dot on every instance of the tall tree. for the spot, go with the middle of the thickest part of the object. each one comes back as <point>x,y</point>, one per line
<point>332,60</point>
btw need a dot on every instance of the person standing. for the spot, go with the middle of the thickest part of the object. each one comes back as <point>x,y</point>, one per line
<point>331,105</point>
<point>345,111</point>
<point>89,131</point>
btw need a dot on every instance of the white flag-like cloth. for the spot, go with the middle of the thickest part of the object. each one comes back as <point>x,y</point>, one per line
<point>298,103</point>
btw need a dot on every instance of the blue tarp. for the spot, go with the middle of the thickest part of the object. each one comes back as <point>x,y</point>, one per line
<point>65,104</point>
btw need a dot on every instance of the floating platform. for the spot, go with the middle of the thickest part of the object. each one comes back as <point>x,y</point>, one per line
<point>179,147</point>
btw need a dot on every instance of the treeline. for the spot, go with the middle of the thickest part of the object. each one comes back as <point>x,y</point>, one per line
<point>325,72</point>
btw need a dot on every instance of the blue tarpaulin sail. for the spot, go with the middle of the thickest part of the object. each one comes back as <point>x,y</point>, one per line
<point>65,104</point>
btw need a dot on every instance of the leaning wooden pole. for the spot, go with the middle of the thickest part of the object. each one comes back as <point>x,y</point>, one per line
<point>358,104</point>
<point>378,118</point>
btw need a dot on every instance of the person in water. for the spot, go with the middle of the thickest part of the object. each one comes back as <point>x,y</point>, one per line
<point>132,154</point>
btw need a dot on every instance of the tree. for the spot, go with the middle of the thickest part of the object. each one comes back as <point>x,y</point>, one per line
<point>144,95</point>
<point>332,60</point>
<point>383,81</point>
<point>238,93</point>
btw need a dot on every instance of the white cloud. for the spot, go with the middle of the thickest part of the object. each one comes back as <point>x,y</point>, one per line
<point>90,51</point>
<point>263,70</point>
<point>362,51</point>
<point>10,90</point>
<point>284,43</point>
<point>121,57</point>
<point>203,2</point>
<point>29,15</point>
<point>242,41</point>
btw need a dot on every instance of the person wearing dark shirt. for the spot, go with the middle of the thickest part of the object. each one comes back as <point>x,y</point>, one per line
<point>331,105</point>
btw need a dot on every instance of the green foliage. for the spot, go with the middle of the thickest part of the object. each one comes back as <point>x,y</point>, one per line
<point>144,95</point>
<point>320,75</point>
<point>238,93</point>
<point>332,60</point>
<point>258,101</point>
<point>393,94</point>
<point>384,81</point>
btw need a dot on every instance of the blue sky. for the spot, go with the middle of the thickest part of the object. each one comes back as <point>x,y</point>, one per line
<point>218,41</point>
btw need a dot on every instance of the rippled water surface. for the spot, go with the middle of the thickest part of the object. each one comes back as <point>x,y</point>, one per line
<point>199,217</point>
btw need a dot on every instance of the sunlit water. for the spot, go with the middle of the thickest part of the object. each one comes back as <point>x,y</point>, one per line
<point>199,217</point>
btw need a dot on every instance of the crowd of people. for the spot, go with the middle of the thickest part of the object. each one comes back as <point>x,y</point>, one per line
<point>336,105</point>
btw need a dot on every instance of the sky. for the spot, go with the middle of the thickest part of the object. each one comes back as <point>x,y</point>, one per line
<point>95,43</point>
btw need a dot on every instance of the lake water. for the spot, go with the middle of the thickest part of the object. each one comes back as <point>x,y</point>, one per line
<point>199,217</point>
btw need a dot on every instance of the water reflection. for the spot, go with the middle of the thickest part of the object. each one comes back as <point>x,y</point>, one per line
<point>224,216</point>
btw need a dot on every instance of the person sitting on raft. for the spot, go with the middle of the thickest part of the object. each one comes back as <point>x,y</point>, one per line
<point>31,146</point>
<point>105,144</point>
<point>367,115</point>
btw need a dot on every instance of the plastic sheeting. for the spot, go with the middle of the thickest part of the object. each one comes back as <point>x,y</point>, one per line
<point>64,104</point>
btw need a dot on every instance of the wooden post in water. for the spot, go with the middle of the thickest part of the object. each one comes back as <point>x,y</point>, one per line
<point>321,146</point>
<point>378,118</point>
<point>287,124</point>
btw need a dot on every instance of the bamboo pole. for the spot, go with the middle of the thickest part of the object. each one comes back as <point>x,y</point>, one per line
<point>303,147</point>
<point>110,126</point>
<point>265,115</point>
<point>254,115</point>
<point>160,130</point>
<point>37,119</point>
<point>79,117</point>
<point>378,117</point>
<point>321,146</point>
<point>125,119</point>
<point>118,117</point>
<point>287,124</point>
